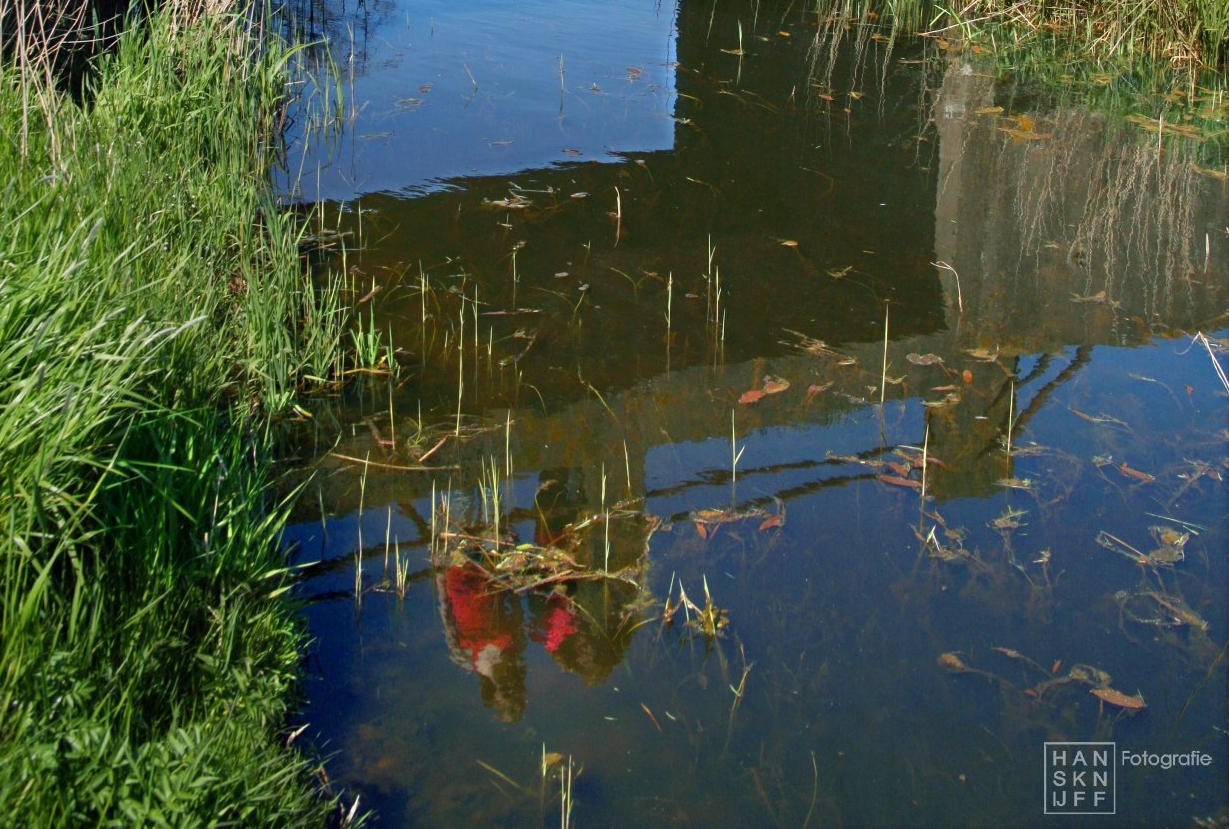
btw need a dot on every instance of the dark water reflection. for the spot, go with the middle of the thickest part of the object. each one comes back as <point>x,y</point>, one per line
<point>766,201</point>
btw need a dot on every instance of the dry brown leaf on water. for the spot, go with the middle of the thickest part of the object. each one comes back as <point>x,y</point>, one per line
<point>1135,473</point>
<point>896,480</point>
<point>775,385</point>
<point>924,359</point>
<point>951,662</point>
<point>775,520</point>
<point>1010,653</point>
<point>949,399</point>
<point>1024,135</point>
<point>1112,697</point>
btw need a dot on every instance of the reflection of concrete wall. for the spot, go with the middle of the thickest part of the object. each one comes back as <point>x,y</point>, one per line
<point>1036,209</point>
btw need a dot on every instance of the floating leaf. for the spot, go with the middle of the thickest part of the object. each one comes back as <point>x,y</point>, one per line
<point>924,359</point>
<point>775,385</point>
<point>1135,473</point>
<point>949,399</point>
<point>1112,697</point>
<point>1024,135</point>
<point>951,662</point>
<point>775,520</point>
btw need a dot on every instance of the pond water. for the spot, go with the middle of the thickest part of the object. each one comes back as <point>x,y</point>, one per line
<point>792,427</point>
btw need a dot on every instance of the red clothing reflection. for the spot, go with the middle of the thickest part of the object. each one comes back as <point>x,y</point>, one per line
<point>555,623</point>
<point>477,613</point>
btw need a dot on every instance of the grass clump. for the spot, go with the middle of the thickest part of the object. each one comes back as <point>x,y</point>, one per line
<point>1187,36</point>
<point>153,313</point>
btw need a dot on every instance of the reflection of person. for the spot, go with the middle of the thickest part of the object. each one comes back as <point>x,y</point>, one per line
<point>585,632</point>
<point>581,627</point>
<point>482,626</point>
<point>585,625</point>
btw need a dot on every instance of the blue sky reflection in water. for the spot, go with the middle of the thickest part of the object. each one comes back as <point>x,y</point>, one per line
<point>908,612</point>
<point>445,90</point>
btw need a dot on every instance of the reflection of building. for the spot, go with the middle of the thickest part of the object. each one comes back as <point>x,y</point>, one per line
<point>819,212</point>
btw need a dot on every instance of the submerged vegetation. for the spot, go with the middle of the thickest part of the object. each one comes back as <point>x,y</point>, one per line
<point>153,315</point>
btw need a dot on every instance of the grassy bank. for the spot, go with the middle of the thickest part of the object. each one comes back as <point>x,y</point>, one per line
<point>153,313</point>
<point>1190,36</point>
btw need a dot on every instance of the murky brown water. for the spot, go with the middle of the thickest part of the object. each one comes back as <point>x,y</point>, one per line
<point>640,314</point>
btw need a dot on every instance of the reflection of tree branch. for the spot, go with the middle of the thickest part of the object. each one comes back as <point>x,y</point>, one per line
<point>1083,355</point>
